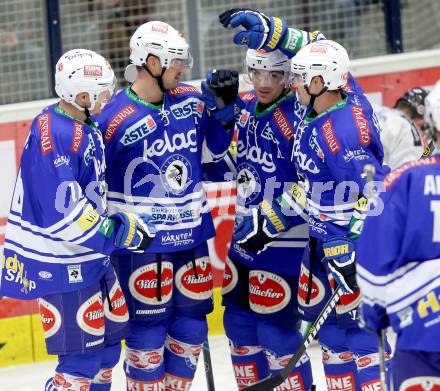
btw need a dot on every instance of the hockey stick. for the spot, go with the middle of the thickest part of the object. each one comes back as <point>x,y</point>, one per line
<point>208,366</point>
<point>382,365</point>
<point>270,383</point>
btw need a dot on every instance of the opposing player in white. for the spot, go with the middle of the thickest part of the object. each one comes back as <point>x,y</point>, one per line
<point>401,133</point>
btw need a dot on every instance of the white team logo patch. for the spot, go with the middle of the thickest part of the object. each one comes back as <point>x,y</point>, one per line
<point>90,316</point>
<point>230,277</point>
<point>143,283</point>
<point>119,312</point>
<point>268,292</point>
<point>176,172</point>
<point>248,183</point>
<point>50,318</point>
<point>74,273</point>
<point>196,287</point>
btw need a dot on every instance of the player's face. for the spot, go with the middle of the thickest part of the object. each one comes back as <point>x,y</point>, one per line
<point>303,95</point>
<point>175,70</point>
<point>268,85</point>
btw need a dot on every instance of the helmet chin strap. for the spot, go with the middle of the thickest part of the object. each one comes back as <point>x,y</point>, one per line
<point>88,120</point>
<point>314,96</point>
<point>159,79</point>
<point>86,111</point>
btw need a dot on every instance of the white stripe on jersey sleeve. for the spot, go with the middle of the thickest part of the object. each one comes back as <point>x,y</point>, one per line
<point>403,287</point>
<point>114,196</point>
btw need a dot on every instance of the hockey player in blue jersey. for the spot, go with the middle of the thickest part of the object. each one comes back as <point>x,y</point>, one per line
<point>399,276</point>
<point>259,292</point>
<point>59,237</point>
<point>334,141</point>
<point>157,133</point>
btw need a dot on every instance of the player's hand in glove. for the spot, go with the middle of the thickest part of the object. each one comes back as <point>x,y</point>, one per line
<point>220,93</point>
<point>255,231</point>
<point>339,252</point>
<point>133,232</point>
<point>261,31</point>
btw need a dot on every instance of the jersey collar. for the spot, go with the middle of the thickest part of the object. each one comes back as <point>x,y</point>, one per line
<point>133,96</point>
<point>335,107</point>
<point>273,106</point>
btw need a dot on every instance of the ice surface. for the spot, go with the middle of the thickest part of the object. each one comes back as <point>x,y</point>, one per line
<point>33,377</point>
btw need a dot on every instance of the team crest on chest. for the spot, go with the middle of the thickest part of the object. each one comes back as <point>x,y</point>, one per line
<point>248,183</point>
<point>176,174</point>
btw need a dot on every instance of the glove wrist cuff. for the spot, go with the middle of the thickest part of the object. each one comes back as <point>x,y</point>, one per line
<point>272,216</point>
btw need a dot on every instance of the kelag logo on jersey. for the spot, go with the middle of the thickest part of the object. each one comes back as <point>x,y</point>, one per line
<point>90,316</point>
<point>268,292</point>
<point>50,318</point>
<point>257,155</point>
<point>170,144</point>
<point>143,283</point>
<point>197,287</point>
<point>248,183</point>
<point>176,173</point>
<point>139,130</point>
<point>187,107</point>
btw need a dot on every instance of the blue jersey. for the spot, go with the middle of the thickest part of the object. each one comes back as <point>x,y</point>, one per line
<point>265,171</point>
<point>154,156</point>
<point>330,151</point>
<point>398,257</point>
<point>57,238</point>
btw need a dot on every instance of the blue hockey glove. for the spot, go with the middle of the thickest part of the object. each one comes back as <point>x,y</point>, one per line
<point>255,231</point>
<point>339,252</point>
<point>133,232</point>
<point>262,32</point>
<point>220,92</point>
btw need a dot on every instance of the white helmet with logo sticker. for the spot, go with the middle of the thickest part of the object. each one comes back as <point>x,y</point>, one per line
<point>324,58</point>
<point>82,70</point>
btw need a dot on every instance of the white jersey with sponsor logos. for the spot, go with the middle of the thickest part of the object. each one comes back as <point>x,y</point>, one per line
<point>154,156</point>
<point>401,140</point>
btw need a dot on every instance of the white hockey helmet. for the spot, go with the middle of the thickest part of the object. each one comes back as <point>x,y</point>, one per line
<point>82,70</point>
<point>161,40</point>
<point>324,58</point>
<point>432,109</point>
<point>269,61</point>
<point>261,60</point>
